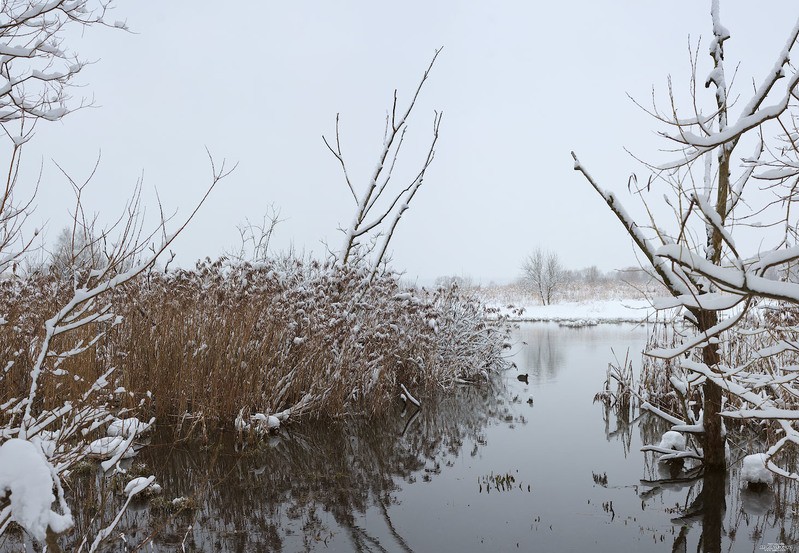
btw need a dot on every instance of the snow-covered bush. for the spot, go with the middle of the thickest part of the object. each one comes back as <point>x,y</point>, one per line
<point>294,337</point>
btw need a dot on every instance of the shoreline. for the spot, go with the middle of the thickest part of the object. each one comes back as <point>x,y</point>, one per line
<point>580,314</point>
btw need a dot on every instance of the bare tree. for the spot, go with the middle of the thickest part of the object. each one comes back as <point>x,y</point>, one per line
<point>592,275</point>
<point>256,237</point>
<point>380,205</point>
<point>70,251</point>
<point>449,281</point>
<point>695,256</point>
<point>36,74</point>
<point>544,274</point>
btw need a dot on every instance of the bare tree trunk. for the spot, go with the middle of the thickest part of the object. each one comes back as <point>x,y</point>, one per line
<point>713,437</point>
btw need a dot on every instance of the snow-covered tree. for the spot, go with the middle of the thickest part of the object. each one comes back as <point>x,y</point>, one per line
<point>44,429</point>
<point>543,273</point>
<point>380,205</point>
<point>730,189</point>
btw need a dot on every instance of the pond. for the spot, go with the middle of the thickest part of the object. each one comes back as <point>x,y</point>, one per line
<point>517,466</point>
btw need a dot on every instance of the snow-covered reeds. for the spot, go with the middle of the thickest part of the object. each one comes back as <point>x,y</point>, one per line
<point>624,285</point>
<point>286,337</point>
<point>618,391</point>
<point>759,362</point>
<point>290,337</point>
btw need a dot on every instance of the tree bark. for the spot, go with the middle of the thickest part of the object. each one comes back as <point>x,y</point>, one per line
<point>713,437</point>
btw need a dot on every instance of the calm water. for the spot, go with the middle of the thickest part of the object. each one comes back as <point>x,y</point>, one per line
<point>480,470</point>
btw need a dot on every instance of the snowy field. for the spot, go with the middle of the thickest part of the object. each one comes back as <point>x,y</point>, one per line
<point>581,313</point>
<point>576,304</point>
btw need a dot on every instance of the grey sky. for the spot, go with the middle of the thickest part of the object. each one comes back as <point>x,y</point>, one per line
<point>520,84</point>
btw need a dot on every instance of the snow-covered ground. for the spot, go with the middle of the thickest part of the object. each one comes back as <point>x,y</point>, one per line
<point>577,303</point>
<point>580,313</point>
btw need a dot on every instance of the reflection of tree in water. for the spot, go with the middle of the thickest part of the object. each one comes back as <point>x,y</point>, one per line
<point>712,508</point>
<point>543,354</point>
<point>287,488</point>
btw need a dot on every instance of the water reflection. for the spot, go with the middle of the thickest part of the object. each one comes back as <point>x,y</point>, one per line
<point>542,354</point>
<point>313,486</point>
<point>711,509</point>
<point>478,469</point>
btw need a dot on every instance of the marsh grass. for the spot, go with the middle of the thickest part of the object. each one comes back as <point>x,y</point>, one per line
<point>287,336</point>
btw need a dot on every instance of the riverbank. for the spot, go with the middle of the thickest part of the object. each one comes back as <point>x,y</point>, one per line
<point>582,313</point>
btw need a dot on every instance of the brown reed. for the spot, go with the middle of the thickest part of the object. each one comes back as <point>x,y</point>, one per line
<point>289,335</point>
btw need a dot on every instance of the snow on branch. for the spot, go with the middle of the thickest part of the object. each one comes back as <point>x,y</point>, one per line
<point>744,124</point>
<point>697,340</point>
<point>36,70</point>
<point>742,348</point>
<point>675,284</point>
<point>742,281</point>
<point>753,114</point>
<point>364,234</point>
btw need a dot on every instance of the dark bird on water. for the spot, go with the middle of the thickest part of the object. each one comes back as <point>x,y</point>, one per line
<point>523,378</point>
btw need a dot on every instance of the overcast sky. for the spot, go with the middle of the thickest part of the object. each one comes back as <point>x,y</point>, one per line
<point>520,84</point>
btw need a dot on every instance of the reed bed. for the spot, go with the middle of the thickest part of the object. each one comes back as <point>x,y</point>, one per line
<point>288,336</point>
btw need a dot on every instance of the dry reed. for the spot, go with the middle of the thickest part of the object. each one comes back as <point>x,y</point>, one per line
<point>287,336</point>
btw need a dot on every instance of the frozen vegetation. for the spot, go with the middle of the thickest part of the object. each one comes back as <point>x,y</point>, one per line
<point>754,470</point>
<point>226,346</point>
<point>98,343</point>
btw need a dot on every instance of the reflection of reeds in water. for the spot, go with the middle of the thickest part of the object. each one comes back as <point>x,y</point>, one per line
<point>306,485</point>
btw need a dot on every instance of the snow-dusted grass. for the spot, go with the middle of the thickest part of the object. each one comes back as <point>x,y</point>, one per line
<point>284,339</point>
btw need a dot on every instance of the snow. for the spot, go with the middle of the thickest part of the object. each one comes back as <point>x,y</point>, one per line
<point>741,126</point>
<point>240,424</point>
<point>263,424</point>
<point>590,312</point>
<point>713,301</point>
<point>735,278</point>
<point>104,446</point>
<point>110,447</point>
<point>778,174</point>
<point>140,484</point>
<point>126,427</point>
<point>673,440</point>
<point>26,474</point>
<point>266,422</point>
<point>754,469</point>
<point>406,395</point>
<point>181,502</point>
